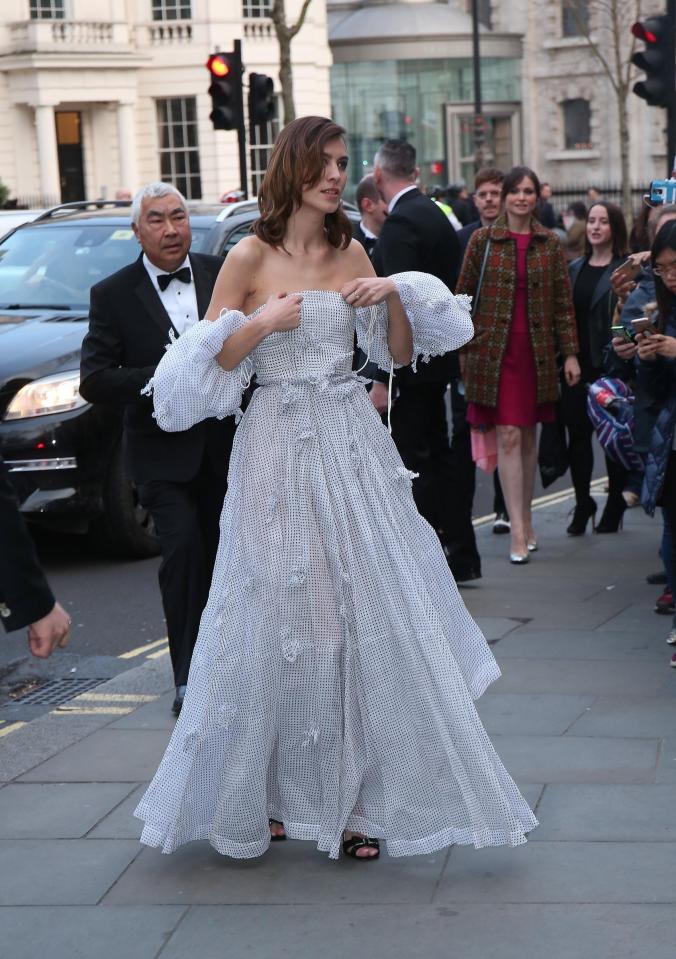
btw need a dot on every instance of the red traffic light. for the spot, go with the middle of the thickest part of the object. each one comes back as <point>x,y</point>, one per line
<point>641,32</point>
<point>218,65</point>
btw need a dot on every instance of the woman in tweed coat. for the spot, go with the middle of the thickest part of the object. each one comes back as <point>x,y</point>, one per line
<point>524,322</point>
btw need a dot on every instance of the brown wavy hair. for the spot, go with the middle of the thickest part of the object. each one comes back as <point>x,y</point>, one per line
<point>297,161</point>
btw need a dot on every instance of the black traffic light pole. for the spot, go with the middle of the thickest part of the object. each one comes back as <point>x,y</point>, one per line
<point>241,130</point>
<point>478,128</point>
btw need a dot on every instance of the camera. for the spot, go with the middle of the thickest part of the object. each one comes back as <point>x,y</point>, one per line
<point>662,191</point>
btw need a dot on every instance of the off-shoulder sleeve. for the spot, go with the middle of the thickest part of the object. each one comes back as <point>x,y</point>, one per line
<point>440,321</point>
<point>189,385</point>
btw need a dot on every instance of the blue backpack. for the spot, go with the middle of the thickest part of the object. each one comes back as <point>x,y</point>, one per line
<point>610,405</point>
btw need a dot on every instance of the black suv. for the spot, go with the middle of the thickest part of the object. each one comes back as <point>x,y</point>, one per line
<point>64,454</point>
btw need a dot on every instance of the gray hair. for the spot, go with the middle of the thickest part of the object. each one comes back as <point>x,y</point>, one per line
<point>151,191</point>
<point>397,158</point>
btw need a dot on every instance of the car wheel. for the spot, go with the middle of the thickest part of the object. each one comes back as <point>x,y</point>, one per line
<point>126,528</point>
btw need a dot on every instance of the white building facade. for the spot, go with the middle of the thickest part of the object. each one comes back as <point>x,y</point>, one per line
<point>102,95</point>
<point>404,68</point>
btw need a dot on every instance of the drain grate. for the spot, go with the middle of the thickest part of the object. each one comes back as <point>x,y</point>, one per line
<point>57,691</point>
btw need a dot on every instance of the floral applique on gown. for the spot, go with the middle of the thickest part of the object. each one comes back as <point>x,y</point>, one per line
<point>333,682</point>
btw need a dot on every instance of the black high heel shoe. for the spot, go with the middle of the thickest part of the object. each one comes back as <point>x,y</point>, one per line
<point>582,513</point>
<point>612,518</point>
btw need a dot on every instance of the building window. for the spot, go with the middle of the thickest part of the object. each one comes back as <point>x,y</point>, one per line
<point>171,10</point>
<point>48,9</point>
<point>574,18</point>
<point>255,9</point>
<point>261,139</point>
<point>577,124</point>
<point>179,154</point>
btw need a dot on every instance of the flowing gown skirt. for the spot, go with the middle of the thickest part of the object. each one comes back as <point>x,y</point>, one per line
<point>333,682</point>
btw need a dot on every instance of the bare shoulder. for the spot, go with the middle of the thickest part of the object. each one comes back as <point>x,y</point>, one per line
<point>356,258</point>
<point>249,253</point>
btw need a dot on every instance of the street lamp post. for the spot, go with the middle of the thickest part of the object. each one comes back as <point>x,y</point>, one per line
<point>478,126</point>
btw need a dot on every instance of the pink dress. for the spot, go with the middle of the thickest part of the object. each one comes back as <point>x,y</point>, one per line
<point>517,390</point>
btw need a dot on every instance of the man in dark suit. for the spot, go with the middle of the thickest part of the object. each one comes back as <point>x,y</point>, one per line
<point>416,235</point>
<point>180,477</point>
<point>373,210</point>
<point>25,596</point>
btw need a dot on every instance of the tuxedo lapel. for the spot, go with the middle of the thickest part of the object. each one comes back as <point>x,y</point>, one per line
<point>203,286</point>
<point>147,294</point>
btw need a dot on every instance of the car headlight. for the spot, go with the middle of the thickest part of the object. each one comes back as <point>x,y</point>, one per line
<point>51,394</point>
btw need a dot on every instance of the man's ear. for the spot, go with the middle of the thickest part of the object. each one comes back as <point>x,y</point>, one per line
<point>417,173</point>
<point>367,205</point>
<point>135,229</point>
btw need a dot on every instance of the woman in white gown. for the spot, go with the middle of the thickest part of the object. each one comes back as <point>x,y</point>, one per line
<point>333,682</point>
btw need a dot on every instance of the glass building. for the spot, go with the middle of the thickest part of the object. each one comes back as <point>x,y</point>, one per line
<point>405,70</point>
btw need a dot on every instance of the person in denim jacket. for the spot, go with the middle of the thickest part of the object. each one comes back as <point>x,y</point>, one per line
<point>656,380</point>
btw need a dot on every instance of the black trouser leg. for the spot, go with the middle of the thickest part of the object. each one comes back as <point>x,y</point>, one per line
<point>580,431</point>
<point>669,506</point>
<point>499,505</point>
<point>459,493</point>
<point>444,489</point>
<point>186,526</point>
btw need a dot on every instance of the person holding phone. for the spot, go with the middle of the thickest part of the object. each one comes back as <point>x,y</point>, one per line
<point>656,381</point>
<point>524,321</point>
<point>594,302</point>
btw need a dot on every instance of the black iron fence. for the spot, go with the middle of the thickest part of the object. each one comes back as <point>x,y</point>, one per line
<point>564,195</point>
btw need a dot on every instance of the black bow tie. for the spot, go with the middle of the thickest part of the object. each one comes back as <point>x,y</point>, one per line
<point>164,279</point>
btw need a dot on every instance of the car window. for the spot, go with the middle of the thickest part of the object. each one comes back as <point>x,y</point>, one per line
<point>200,240</point>
<point>232,239</point>
<point>57,265</point>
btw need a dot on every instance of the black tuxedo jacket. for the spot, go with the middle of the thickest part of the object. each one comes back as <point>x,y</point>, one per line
<point>417,235</point>
<point>25,596</point>
<point>128,332</point>
<point>366,241</point>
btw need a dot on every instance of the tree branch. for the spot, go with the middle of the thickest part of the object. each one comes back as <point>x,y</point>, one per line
<point>301,19</point>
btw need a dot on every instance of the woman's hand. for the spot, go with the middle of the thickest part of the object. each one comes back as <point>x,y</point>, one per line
<point>571,370</point>
<point>648,345</point>
<point>656,344</point>
<point>623,348</point>
<point>368,290</point>
<point>281,312</point>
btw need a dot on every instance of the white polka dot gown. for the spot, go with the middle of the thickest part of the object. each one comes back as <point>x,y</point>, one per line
<point>333,682</point>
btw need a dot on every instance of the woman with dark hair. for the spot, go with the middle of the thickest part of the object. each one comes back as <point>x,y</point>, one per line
<point>331,691</point>
<point>594,302</point>
<point>524,321</point>
<point>656,383</point>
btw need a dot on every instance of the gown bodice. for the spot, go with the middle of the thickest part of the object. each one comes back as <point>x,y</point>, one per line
<point>321,346</point>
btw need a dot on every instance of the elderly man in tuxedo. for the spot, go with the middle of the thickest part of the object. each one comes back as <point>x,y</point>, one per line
<point>416,235</point>
<point>180,477</point>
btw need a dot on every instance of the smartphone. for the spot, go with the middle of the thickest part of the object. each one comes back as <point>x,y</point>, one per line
<point>629,269</point>
<point>623,332</point>
<point>643,325</point>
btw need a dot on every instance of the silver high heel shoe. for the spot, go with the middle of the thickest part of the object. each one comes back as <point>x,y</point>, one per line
<point>519,559</point>
<point>532,546</point>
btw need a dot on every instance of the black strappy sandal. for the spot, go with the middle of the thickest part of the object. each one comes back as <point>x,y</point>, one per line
<point>352,845</point>
<point>273,837</point>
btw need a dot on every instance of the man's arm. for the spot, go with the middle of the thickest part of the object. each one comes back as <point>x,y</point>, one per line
<point>103,378</point>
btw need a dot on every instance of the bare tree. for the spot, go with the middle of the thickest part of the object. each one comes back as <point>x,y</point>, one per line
<point>606,25</point>
<point>285,34</point>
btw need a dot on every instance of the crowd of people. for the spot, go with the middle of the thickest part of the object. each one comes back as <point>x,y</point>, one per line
<point>320,613</point>
<point>548,290</point>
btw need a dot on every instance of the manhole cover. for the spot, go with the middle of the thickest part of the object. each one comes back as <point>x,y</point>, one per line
<point>56,691</point>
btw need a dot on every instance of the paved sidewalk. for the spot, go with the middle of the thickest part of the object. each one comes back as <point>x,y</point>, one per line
<point>584,719</point>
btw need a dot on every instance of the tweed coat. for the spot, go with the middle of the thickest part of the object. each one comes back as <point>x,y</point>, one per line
<point>551,317</point>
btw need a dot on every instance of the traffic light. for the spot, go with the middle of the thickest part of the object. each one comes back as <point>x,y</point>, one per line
<point>656,60</point>
<point>261,99</point>
<point>225,90</point>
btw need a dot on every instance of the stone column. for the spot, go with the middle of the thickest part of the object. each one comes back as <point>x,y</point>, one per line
<point>126,138</point>
<point>48,158</point>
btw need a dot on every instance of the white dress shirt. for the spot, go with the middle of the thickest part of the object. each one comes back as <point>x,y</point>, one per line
<point>179,299</point>
<point>391,204</point>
